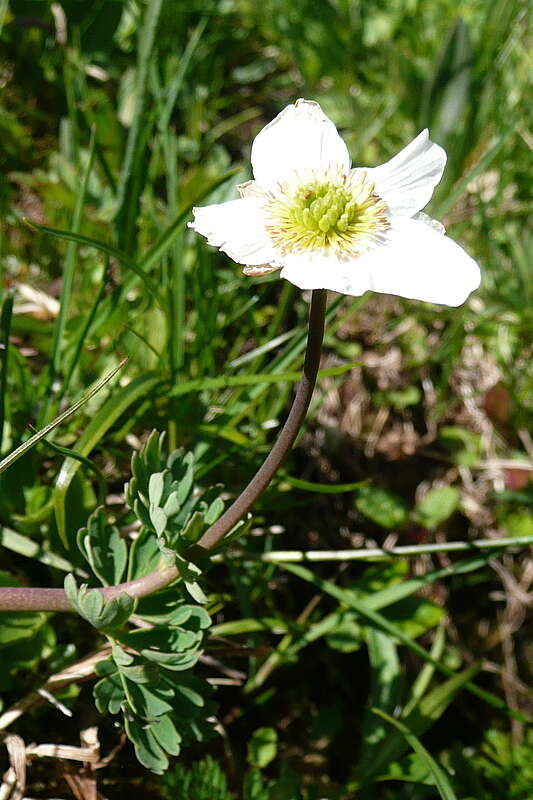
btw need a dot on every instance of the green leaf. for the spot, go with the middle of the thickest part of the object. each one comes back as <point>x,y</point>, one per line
<point>144,555</point>
<point>156,484</point>
<point>517,523</point>
<point>262,747</point>
<point>410,769</point>
<point>464,445</point>
<point>415,615</point>
<point>159,520</point>
<point>214,511</point>
<point>185,483</point>
<point>194,528</point>
<point>116,612</point>
<point>91,603</point>
<point>250,625</point>
<point>138,673</point>
<point>176,662</point>
<point>399,398</point>
<point>146,703</point>
<point>425,676</point>
<point>109,694</point>
<point>16,627</point>
<point>165,638</point>
<point>437,506</point>
<point>69,268</point>
<point>147,748</point>
<point>255,787</point>
<point>166,735</point>
<point>381,506</point>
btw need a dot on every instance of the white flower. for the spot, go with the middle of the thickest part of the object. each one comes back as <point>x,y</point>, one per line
<point>328,226</point>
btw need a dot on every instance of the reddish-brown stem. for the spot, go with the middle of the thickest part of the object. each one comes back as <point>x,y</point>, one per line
<point>16,598</point>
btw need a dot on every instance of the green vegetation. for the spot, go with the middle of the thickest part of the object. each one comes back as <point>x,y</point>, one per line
<point>252,678</point>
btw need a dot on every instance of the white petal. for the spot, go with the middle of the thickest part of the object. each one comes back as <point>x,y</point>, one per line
<point>433,223</point>
<point>237,228</point>
<point>414,261</point>
<point>319,271</point>
<point>300,138</point>
<point>406,182</point>
<point>423,264</point>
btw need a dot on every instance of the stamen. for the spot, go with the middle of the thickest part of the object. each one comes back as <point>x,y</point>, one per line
<point>343,215</point>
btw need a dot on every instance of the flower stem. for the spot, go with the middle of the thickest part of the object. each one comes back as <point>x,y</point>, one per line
<point>16,598</point>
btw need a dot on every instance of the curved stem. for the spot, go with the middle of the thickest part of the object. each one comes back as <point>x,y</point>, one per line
<point>16,598</point>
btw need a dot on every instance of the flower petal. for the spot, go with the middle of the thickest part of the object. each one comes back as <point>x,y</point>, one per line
<point>406,182</point>
<point>301,137</point>
<point>237,228</point>
<point>325,271</point>
<point>414,261</point>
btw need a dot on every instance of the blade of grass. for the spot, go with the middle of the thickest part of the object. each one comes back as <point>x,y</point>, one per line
<point>322,488</point>
<point>5,327</point>
<point>424,677</point>
<point>68,276</point>
<point>441,779</point>
<point>165,241</point>
<point>174,278</point>
<point>114,252</point>
<point>382,623</point>
<point>4,7</point>
<point>24,546</point>
<point>129,190</point>
<point>98,427</point>
<point>69,453</point>
<point>292,643</point>
<point>384,686</point>
<point>262,349</point>
<point>86,327</point>
<point>396,592</point>
<point>287,293</point>
<point>69,70</point>
<point>208,384</point>
<point>428,711</point>
<point>29,443</point>
<point>290,355</point>
<point>174,86</point>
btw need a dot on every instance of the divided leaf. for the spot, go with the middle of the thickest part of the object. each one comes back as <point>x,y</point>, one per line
<point>92,606</point>
<point>162,495</point>
<point>104,548</point>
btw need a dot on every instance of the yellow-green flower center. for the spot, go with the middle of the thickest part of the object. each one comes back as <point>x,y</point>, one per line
<point>343,215</point>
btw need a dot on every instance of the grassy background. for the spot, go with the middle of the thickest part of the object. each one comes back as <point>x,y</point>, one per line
<point>115,118</point>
